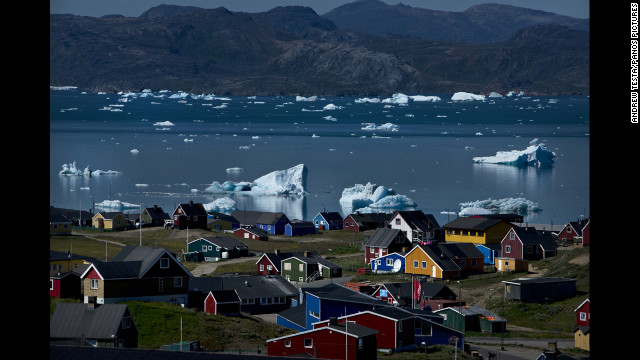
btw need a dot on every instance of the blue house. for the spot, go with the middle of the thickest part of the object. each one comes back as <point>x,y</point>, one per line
<point>393,262</point>
<point>321,303</point>
<point>328,221</point>
<point>490,252</point>
<point>271,222</point>
<point>298,228</point>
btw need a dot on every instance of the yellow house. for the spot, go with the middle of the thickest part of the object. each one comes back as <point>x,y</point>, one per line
<point>477,230</point>
<point>511,264</point>
<point>581,338</point>
<point>59,225</point>
<point>109,221</point>
<point>444,261</point>
<point>61,262</point>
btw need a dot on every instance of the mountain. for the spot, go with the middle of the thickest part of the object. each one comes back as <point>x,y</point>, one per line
<point>294,51</point>
<point>479,24</point>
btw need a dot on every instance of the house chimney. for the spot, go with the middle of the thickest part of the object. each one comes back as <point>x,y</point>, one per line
<point>553,346</point>
<point>306,254</point>
<point>404,249</point>
<point>155,207</point>
<point>191,202</point>
<point>276,251</point>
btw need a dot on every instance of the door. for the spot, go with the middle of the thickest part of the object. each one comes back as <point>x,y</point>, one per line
<point>433,271</point>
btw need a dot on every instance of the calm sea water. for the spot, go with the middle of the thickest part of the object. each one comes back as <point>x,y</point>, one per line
<point>428,158</point>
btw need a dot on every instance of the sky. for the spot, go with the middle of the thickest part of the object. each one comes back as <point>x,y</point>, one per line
<point>97,8</point>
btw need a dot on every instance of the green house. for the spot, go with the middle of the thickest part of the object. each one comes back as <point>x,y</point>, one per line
<point>215,248</point>
<point>472,318</point>
<point>308,267</point>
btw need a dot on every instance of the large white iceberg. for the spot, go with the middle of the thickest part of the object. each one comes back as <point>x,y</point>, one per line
<point>536,154</point>
<point>221,204</point>
<point>292,181</point>
<point>116,205</point>
<point>518,205</point>
<point>373,198</point>
<point>71,169</point>
<point>465,96</point>
<point>385,126</point>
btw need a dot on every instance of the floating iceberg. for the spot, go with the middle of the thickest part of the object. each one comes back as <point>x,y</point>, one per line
<point>425,98</point>
<point>234,170</point>
<point>71,169</point>
<point>310,98</point>
<point>386,126</point>
<point>373,198</point>
<point>397,99</point>
<point>495,95</point>
<point>332,107</point>
<point>292,181</point>
<point>465,96</point>
<point>536,154</point>
<point>221,204</point>
<point>519,205</point>
<point>367,100</point>
<point>116,205</point>
<point>164,123</point>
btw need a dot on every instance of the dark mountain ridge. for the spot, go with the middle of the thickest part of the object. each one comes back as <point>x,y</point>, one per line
<point>294,51</point>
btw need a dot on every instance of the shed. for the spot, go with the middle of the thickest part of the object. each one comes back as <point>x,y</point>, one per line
<point>539,290</point>
<point>222,302</point>
<point>511,264</point>
<point>299,228</point>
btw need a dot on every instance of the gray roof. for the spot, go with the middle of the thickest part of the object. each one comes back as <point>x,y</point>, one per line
<point>157,213</point>
<point>72,320</point>
<point>383,237</point>
<point>247,217</point>
<point>276,259</point>
<point>531,236</point>
<point>331,216</point>
<point>225,242</point>
<point>417,219</point>
<point>539,280</point>
<point>247,287</point>
<point>363,218</point>
<point>60,255</point>
<point>340,293</point>
<point>192,209</point>
<point>296,314</point>
<point>443,254</point>
<point>134,261</point>
<point>471,310</point>
<point>313,257</point>
<point>472,223</point>
<point>58,219</point>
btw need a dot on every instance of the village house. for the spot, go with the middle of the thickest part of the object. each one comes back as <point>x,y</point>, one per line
<point>153,216</point>
<point>333,341</point>
<point>472,318</point>
<point>540,289</point>
<point>299,228</point>
<point>308,267</point>
<point>582,336</point>
<point>137,273</point>
<point>214,248</point>
<point>385,241</point>
<point>328,221</point>
<point>390,263</point>
<point>444,261</point>
<point>575,232</point>
<point>417,226</point>
<point>222,302</point>
<point>77,217</point>
<point>527,243</point>
<point>59,225</point>
<point>93,325</point>
<point>252,233</point>
<point>190,216</point>
<point>358,222</point>
<point>109,221</point>
<point>434,295</point>
<point>479,229</point>
<point>490,252</point>
<point>511,264</point>
<point>271,222</point>
<point>269,263</point>
<point>217,221</point>
<point>257,294</point>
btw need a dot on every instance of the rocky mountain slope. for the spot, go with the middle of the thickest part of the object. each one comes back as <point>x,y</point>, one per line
<point>294,51</point>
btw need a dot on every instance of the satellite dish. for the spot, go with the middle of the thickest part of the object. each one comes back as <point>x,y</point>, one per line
<point>397,265</point>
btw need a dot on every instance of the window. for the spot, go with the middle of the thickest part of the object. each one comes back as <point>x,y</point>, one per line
<point>300,267</point>
<point>160,285</point>
<point>177,281</point>
<point>512,235</point>
<point>94,284</point>
<point>261,267</point>
<point>360,343</point>
<point>308,343</point>
<point>424,264</point>
<point>287,266</point>
<point>300,279</point>
<point>314,314</point>
<point>583,316</point>
<point>507,248</point>
<point>372,250</point>
<point>480,233</point>
<point>415,263</point>
<point>269,267</point>
<point>51,285</point>
<point>463,264</point>
<point>164,263</point>
<point>210,247</point>
<point>398,221</point>
<point>474,263</point>
<point>389,262</point>
<point>204,248</point>
<point>287,343</point>
<point>399,326</point>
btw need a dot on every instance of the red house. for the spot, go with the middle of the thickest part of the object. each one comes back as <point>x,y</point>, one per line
<point>575,229</point>
<point>252,233</point>
<point>385,241</point>
<point>269,263</point>
<point>586,234</point>
<point>191,215</point>
<point>222,302</point>
<point>65,285</point>
<point>583,314</point>
<point>527,243</point>
<point>395,328</point>
<point>333,341</point>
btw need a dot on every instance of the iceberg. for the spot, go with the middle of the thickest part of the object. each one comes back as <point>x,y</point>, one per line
<point>367,100</point>
<point>332,107</point>
<point>536,154</point>
<point>310,98</point>
<point>164,123</point>
<point>425,98</point>
<point>386,126</point>
<point>465,96</point>
<point>291,181</point>
<point>71,170</point>
<point>222,204</point>
<point>373,198</point>
<point>116,205</point>
<point>519,205</point>
<point>234,170</point>
<point>397,99</point>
